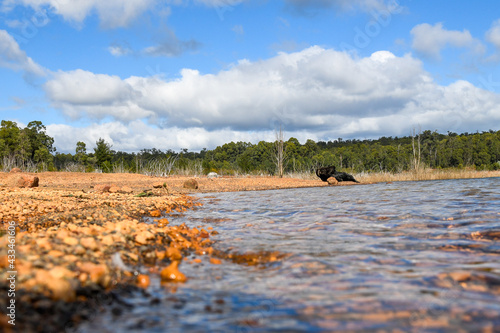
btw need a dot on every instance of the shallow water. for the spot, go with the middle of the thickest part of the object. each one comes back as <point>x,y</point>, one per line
<point>414,256</point>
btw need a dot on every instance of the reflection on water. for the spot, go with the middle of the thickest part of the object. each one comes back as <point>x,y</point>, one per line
<point>413,256</point>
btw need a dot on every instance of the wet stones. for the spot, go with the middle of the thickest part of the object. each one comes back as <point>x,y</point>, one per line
<point>171,273</point>
<point>143,281</point>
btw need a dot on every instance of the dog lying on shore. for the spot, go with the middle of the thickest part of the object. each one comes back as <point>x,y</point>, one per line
<point>327,172</point>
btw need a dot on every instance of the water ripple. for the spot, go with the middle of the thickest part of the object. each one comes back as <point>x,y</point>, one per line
<point>413,256</point>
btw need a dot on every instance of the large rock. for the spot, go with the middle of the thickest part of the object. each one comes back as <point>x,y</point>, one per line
<point>15,170</point>
<point>26,181</point>
<point>191,184</point>
<point>102,188</point>
<point>126,189</point>
<point>114,189</point>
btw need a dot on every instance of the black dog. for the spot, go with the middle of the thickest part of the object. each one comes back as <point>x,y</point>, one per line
<point>327,172</point>
<point>344,177</point>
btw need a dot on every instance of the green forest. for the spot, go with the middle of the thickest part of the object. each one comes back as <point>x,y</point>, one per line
<point>31,149</point>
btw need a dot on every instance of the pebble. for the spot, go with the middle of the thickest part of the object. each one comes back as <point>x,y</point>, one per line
<point>172,273</point>
<point>143,280</point>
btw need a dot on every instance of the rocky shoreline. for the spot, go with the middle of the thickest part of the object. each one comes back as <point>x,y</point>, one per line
<point>81,240</point>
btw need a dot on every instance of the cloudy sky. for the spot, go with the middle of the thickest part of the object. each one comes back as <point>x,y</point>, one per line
<point>173,74</point>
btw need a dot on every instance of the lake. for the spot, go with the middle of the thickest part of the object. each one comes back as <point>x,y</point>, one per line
<point>408,256</point>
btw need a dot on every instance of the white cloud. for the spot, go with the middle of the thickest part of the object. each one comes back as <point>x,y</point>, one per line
<point>138,135</point>
<point>95,95</point>
<point>220,3</point>
<point>119,50</point>
<point>316,93</point>
<point>113,13</point>
<point>12,57</point>
<point>429,40</point>
<point>170,45</point>
<point>493,35</point>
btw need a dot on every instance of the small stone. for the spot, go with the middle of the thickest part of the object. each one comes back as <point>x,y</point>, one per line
<point>143,237</point>
<point>55,253</point>
<point>98,273</point>
<point>89,243</point>
<point>43,243</point>
<point>332,181</point>
<point>79,250</point>
<point>143,280</point>
<point>107,240</point>
<point>163,222</point>
<point>155,213</point>
<point>4,262</point>
<point>126,189</point>
<point>215,261</point>
<point>59,272</point>
<point>173,253</point>
<point>191,184</point>
<point>70,241</point>
<point>59,287</point>
<point>114,189</point>
<point>102,188</point>
<point>172,273</point>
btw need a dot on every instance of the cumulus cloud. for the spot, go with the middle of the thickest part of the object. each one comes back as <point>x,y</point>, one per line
<point>138,135</point>
<point>97,96</point>
<point>119,50</point>
<point>12,57</point>
<point>321,93</point>
<point>429,40</point>
<point>171,46</point>
<point>493,35</point>
<point>112,13</point>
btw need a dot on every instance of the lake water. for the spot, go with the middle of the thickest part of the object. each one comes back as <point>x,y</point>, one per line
<point>405,256</point>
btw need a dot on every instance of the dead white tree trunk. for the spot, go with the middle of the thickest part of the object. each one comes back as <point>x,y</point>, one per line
<point>280,152</point>
<point>416,150</point>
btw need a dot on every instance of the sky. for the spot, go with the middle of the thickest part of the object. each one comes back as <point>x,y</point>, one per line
<point>173,74</point>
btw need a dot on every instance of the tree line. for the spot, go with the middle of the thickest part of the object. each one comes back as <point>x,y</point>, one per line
<point>32,149</point>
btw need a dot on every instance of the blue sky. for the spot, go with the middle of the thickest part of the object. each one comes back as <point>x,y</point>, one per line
<point>174,74</point>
